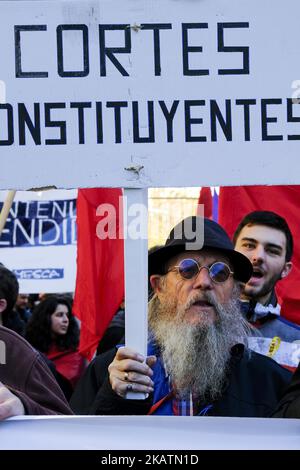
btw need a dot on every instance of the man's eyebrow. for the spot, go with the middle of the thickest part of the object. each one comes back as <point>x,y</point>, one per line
<point>247,239</point>
<point>269,245</point>
<point>273,245</point>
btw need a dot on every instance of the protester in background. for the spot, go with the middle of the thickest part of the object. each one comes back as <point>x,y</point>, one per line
<point>265,238</point>
<point>54,331</point>
<point>198,335</point>
<point>19,317</point>
<point>22,307</point>
<point>10,318</point>
<point>33,301</point>
<point>289,406</point>
<point>26,384</point>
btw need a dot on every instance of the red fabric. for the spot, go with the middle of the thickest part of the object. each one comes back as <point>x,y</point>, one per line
<point>100,266</point>
<point>237,201</point>
<point>68,363</point>
<point>206,199</point>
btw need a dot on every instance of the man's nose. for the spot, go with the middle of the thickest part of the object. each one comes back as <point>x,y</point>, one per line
<point>258,254</point>
<point>203,280</point>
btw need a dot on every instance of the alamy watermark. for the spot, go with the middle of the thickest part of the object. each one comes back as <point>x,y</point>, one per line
<point>2,92</point>
<point>296,94</point>
<point>132,223</point>
<point>2,353</point>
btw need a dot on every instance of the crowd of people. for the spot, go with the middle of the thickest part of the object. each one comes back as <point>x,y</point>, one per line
<point>218,344</point>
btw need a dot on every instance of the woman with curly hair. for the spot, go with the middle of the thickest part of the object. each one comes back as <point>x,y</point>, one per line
<point>54,331</point>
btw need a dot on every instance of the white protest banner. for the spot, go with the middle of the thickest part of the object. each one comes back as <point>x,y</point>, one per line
<point>145,93</point>
<point>39,241</point>
<point>149,432</point>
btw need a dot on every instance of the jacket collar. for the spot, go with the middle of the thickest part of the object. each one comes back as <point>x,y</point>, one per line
<point>255,311</point>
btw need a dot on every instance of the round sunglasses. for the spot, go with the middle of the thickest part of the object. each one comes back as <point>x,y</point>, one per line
<point>189,268</point>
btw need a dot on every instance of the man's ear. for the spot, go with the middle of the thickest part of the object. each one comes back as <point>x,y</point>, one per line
<point>3,305</point>
<point>156,284</point>
<point>287,269</point>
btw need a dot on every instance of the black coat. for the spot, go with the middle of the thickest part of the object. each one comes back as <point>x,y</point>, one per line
<point>289,406</point>
<point>255,384</point>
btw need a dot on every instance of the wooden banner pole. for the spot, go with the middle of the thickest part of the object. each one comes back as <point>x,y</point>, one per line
<point>6,208</point>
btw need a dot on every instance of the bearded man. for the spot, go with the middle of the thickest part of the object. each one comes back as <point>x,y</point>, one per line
<point>198,362</point>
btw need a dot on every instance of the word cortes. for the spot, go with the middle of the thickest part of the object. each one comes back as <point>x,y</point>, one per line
<point>107,34</point>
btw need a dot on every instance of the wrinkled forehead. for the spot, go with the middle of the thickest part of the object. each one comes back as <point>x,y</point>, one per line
<point>205,256</point>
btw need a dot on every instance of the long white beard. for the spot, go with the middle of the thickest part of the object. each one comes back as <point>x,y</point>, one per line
<point>197,356</point>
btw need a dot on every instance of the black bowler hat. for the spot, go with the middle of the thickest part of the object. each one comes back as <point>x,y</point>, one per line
<point>183,238</point>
